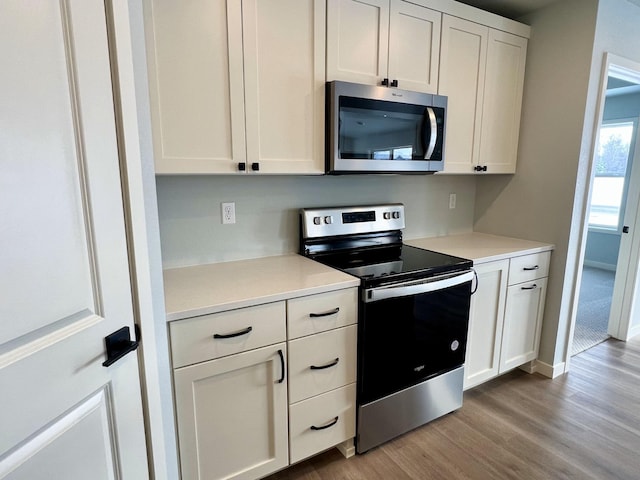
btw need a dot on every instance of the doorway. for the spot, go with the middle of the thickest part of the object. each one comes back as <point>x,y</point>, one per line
<point>607,286</point>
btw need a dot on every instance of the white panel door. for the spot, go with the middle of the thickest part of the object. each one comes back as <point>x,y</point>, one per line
<point>486,318</point>
<point>64,272</point>
<point>502,103</point>
<point>463,54</point>
<point>414,47</point>
<point>196,85</point>
<point>357,40</point>
<point>284,68</point>
<point>522,323</point>
<point>232,415</point>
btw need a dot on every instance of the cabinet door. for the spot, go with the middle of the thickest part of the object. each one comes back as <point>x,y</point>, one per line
<point>357,40</point>
<point>414,46</point>
<point>486,318</point>
<point>463,55</point>
<point>196,85</point>
<point>522,323</point>
<point>232,415</point>
<point>284,67</point>
<point>504,80</point>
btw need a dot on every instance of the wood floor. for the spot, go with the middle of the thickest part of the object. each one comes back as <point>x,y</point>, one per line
<point>582,425</point>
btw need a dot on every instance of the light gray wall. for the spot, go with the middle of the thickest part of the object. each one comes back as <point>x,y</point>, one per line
<point>538,201</point>
<point>267,210</point>
<point>602,249</point>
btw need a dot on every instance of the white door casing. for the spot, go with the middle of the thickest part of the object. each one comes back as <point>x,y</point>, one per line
<point>64,273</point>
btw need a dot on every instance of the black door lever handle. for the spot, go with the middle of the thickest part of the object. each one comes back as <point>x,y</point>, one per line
<point>118,344</point>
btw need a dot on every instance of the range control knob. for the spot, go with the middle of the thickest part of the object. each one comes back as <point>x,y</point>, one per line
<point>328,219</point>
<point>317,220</point>
<point>386,215</point>
<point>395,214</point>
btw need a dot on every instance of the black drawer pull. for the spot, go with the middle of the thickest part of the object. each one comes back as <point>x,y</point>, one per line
<point>281,366</point>
<point>536,267</point>
<point>328,365</point>
<point>532,287</point>
<point>325,314</point>
<point>235,334</point>
<point>331,424</point>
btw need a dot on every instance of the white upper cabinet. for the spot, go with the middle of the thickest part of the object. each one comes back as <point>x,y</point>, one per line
<point>482,73</point>
<point>372,40</point>
<point>237,86</point>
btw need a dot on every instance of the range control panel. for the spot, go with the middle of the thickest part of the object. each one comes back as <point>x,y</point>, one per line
<point>334,221</point>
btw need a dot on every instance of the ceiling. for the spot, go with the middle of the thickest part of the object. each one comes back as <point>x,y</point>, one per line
<point>509,8</point>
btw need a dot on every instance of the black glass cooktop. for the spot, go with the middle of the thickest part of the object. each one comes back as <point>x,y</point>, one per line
<point>393,263</point>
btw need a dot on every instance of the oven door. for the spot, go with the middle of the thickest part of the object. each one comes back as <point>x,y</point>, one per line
<point>411,332</point>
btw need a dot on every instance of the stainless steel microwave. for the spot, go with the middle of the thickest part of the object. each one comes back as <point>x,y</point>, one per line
<point>383,130</point>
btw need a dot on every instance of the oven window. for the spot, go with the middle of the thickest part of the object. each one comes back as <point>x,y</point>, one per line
<point>404,341</point>
<point>380,130</point>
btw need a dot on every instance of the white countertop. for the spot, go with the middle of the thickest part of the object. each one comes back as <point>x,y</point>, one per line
<point>480,247</point>
<point>205,289</point>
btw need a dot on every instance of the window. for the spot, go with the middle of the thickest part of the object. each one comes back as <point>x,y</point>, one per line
<point>611,172</point>
<point>393,153</point>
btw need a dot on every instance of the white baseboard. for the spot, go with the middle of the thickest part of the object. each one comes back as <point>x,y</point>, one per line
<point>549,371</point>
<point>600,265</point>
<point>633,331</point>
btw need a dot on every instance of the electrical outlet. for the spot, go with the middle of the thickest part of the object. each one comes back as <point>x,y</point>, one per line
<point>228,212</point>
<point>452,201</point>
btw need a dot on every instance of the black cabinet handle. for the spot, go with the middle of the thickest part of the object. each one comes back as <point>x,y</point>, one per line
<point>118,344</point>
<point>532,287</point>
<point>394,83</point>
<point>477,168</point>
<point>242,166</point>
<point>484,168</point>
<point>255,166</point>
<point>385,82</point>
<point>235,334</point>
<point>331,424</point>
<point>528,269</point>
<point>282,366</point>
<point>325,314</point>
<point>328,365</point>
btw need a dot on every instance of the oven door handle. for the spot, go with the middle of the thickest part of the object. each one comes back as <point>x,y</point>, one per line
<point>416,288</point>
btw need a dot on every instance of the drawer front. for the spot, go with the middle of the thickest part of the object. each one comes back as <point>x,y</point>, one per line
<point>193,341</point>
<point>321,312</point>
<point>322,362</point>
<point>333,416</point>
<point>529,267</point>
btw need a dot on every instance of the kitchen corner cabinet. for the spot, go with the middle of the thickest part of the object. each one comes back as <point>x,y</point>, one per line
<point>372,40</point>
<point>260,387</point>
<point>482,73</point>
<point>505,317</point>
<point>237,86</point>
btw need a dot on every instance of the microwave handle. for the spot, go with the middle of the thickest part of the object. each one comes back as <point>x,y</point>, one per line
<point>433,136</point>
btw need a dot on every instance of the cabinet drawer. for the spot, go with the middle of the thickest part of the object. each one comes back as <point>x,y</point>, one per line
<point>193,340</point>
<point>321,312</point>
<point>322,362</point>
<point>332,416</point>
<point>529,267</point>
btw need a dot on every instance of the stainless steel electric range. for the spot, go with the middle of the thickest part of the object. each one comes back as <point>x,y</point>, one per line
<point>412,321</point>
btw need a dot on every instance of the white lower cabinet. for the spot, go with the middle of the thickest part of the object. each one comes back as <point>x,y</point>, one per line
<point>321,422</point>
<point>505,319</point>
<point>486,319</point>
<point>523,323</point>
<point>249,399</point>
<point>232,415</point>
